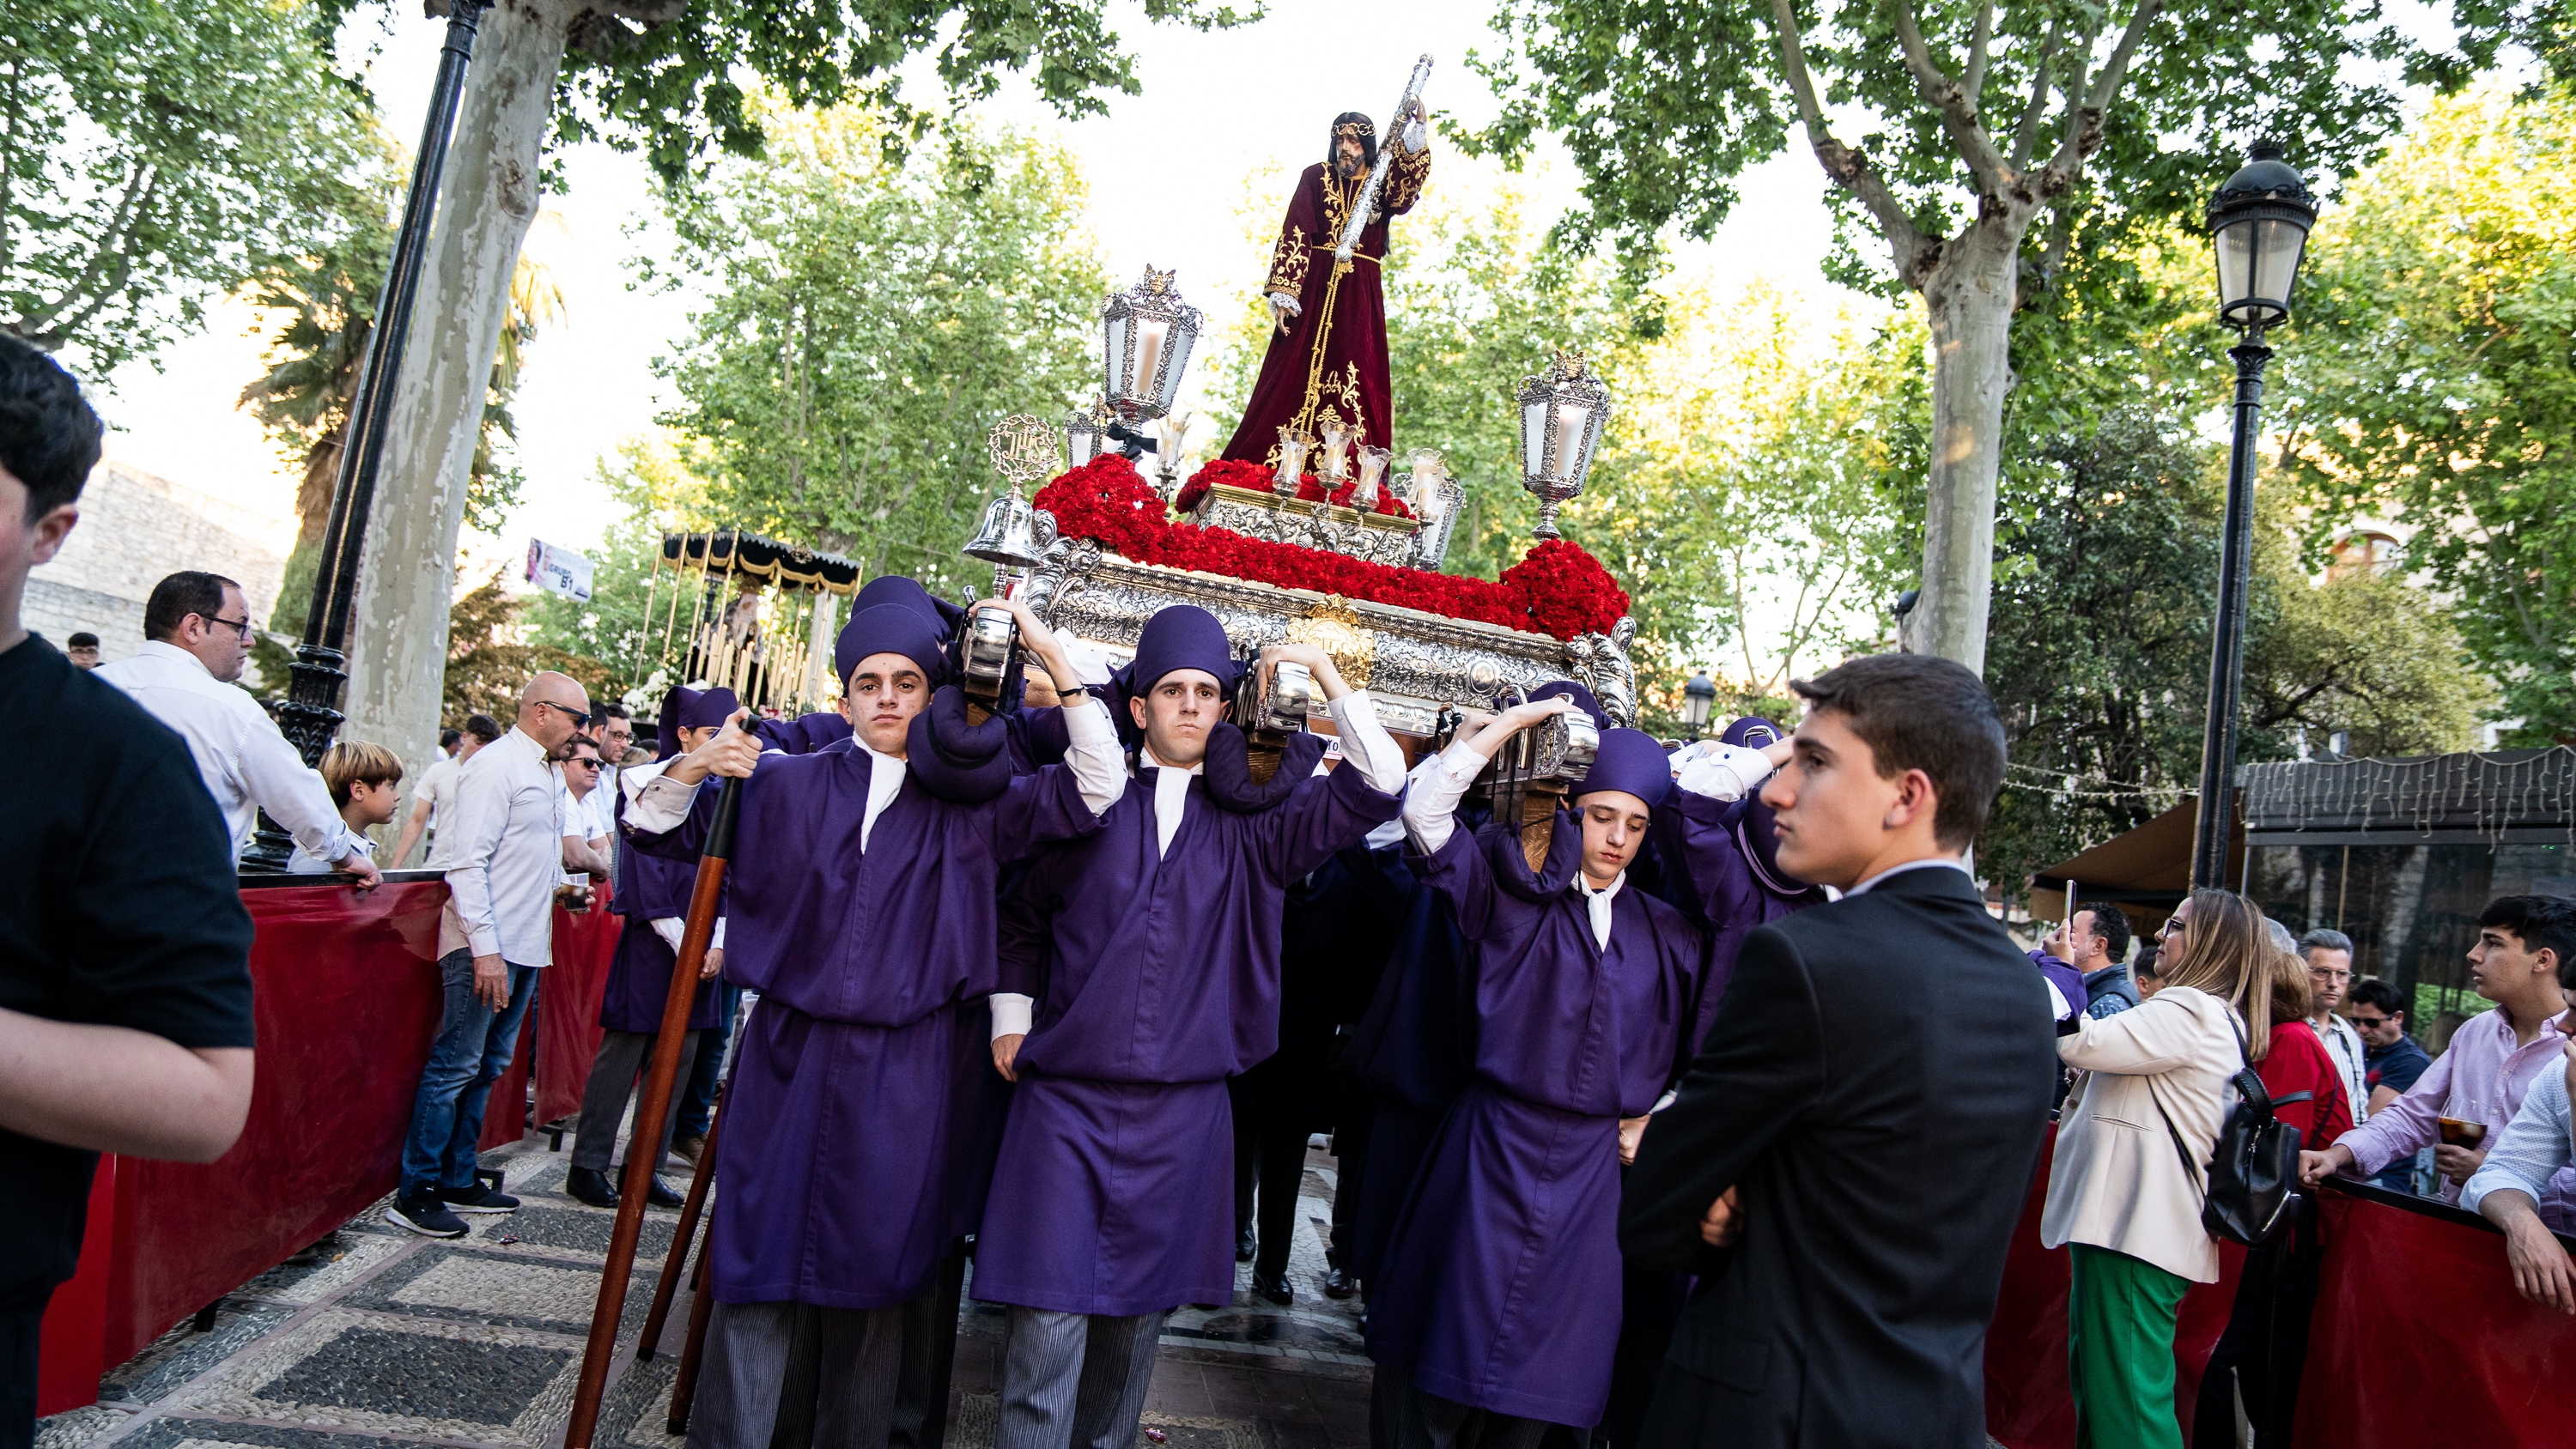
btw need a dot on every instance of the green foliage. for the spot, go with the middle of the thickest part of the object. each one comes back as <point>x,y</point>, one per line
<point>630,613</point>
<point>488,663</point>
<point>672,83</point>
<point>155,156</point>
<point>2433,368</point>
<point>870,321</point>
<point>2099,656</point>
<point>1663,105</point>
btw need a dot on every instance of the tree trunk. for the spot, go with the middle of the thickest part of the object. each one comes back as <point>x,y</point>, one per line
<point>398,636</point>
<point>1969,293</point>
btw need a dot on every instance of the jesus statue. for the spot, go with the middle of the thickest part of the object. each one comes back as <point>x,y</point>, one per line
<point>1328,337</point>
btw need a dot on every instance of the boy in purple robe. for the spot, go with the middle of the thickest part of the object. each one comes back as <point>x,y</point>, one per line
<point>1146,972</point>
<point>1489,1322</point>
<point>653,898</point>
<point>861,907</point>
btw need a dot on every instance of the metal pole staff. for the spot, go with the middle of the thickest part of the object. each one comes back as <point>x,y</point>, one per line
<point>2227,643</point>
<point>642,1152</point>
<point>312,709</point>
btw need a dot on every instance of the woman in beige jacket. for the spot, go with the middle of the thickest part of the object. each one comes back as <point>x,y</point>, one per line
<point>2121,1194</point>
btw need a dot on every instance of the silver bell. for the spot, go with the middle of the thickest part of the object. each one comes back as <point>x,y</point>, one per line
<point>1011,534</point>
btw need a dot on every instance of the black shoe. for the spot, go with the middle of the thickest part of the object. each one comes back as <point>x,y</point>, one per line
<point>423,1213</point>
<point>478,1198</point>
<point>1340,1284</point>
<point>590,1185</point>
<point>1243,1245</point>
<point>1273,1288</point>
<point>661,1195</point>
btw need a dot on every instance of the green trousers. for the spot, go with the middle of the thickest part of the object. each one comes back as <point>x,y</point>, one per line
<point>2119,1350</point>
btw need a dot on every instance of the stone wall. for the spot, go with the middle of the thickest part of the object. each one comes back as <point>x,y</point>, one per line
<point>136,529</point>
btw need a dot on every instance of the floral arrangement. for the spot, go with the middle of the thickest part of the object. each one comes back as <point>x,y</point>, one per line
<point>1253,478</point>
<point>1558,589</point>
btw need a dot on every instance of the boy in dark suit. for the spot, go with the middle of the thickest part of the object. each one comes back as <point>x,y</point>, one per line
<point>1846,1160</point>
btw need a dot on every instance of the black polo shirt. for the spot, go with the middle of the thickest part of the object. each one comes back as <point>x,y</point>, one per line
<point>118,906</point>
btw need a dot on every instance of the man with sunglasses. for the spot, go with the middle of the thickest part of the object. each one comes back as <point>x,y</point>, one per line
<point>196,632</point>
<point>2391,1061</point>
<point>495,933</point>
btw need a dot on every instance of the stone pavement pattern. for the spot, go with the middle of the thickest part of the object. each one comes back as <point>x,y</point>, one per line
<point>379,1336</point>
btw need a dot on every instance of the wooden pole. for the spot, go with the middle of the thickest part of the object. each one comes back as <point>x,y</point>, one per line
<point>643,1149</point>
<point>684,1385</point>
<point>669,1286</point>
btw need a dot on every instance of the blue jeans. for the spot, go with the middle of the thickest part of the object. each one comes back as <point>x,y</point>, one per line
<point>473,1048</point>
<point>698,1094</point>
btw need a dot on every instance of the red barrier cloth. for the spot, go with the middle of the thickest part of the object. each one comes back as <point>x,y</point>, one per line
<point>2028,1402</point>
<point>347,999</point>
<point>2419,1338</point>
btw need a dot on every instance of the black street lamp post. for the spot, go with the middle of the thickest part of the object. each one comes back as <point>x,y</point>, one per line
<point>2260,222</point>
<point>310,713</point>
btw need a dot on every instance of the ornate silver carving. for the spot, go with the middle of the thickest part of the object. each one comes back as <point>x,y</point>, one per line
<point>1421,661</point>
<point>1374,537</point>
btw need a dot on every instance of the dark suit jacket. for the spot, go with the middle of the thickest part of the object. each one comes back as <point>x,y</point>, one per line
<point>1876,1082</point>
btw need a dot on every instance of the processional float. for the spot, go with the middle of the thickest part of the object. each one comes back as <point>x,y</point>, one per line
<point>1318,545</point>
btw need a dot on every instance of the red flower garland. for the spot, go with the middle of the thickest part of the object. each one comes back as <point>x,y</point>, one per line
<point>1232,472</point>
<point>1558,588</point>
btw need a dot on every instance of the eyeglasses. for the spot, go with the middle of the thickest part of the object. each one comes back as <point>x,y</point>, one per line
<point>240,627</point>
<point>580,718</point>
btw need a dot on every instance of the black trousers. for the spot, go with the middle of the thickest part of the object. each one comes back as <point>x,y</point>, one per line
<point>1356,1115</point>
<point>21,1329</point>
<point>2266,1342</point>
<point>1270,1155</point>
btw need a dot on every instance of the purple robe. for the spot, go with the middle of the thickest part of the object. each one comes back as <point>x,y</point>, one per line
<point>1710,871</point>
<point>649,887</point>
<point>836,1163</point>
<point>1156,978</point>
<point>1499,1287</point>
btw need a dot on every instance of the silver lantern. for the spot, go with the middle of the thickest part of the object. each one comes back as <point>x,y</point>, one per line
<point>1435,498</point>
<point>1086,434</point>
<point>1014,535</point>
<point>1146,334</point>
<point>1562,411</point>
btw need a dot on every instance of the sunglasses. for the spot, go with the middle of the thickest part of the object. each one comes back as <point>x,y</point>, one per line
<point>2371,1023</point>
<point>587,762</point>
<point>580,718</point>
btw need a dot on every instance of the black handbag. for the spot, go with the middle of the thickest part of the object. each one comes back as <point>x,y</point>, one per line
<point>2253,1169</point>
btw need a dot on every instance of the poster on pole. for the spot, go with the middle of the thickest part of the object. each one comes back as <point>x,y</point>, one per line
<point>558,570</point>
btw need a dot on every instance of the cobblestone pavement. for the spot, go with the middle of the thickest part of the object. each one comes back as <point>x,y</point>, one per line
<point>379,1336</point>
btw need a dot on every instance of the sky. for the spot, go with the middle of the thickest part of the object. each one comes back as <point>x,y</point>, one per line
<point>1166,168</point>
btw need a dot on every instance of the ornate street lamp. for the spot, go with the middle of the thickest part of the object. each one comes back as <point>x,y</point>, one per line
<point>2259,221</point>
<point>310,714</point>
<point>1146,333</point>
<point>1562,411</point>
<point>1086,434</point>
<point>1699,697</point>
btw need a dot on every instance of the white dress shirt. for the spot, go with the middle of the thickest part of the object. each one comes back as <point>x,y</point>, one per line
<point>2533,1148</point>
<point>503,851</point>
<point>246,764</point>
<point>2343,1043</point>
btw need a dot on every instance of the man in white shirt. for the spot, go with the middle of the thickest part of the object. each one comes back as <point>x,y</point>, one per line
<point>2329,958</point>
<point>196,631</point>
<point>502,852</point>
<point>437,787</point>
<point>586,810</point>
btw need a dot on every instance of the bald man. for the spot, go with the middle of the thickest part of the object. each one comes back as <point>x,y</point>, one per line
<point>494,934</point>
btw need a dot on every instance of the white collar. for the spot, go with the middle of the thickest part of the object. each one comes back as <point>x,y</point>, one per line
<point>1584,884</point>
<point>1145,755</point>
<point>163,649</point>
<point>1926,863</point>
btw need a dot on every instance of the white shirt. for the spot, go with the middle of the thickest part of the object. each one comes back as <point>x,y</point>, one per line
<point>1431,803</point>
<point>503,849</point>
<point>1596,905</point>
<point>655,804</point>
<point>2343,1043</point>
<point>247,765</point>
<point>302,863</point>
<point>436,793</point>
<point>1367,748</point>
<point>1720,771</point>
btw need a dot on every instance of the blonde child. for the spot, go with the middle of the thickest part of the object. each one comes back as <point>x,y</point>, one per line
<point>364,780</point>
